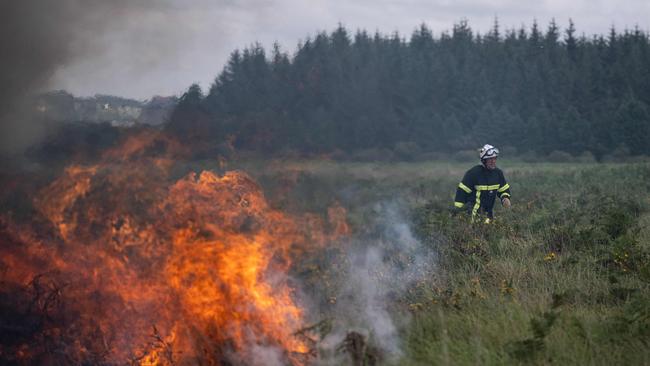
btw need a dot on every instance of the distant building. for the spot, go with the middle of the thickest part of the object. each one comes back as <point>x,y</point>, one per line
<point>62,106</point>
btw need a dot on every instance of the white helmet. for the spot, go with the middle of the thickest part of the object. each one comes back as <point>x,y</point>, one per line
<point>487,152</point>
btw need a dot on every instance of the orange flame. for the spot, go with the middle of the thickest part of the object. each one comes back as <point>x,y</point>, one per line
<point>203,262</point>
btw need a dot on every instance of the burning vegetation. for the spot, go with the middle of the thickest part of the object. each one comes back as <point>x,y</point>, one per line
<point>124,263</point>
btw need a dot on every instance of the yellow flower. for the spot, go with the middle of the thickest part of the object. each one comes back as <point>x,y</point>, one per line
<point>506,288</point>
<point>550,256</point>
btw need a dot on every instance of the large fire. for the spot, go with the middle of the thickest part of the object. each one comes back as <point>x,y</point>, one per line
<point>123,264</point>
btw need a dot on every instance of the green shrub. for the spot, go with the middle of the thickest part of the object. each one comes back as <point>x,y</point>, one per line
<point>406,150</point>
<point>558,156</point>
<point>466,156</point>
<point>586,157</point>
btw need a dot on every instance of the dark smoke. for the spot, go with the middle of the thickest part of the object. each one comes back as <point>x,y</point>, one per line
<point>36,38</point>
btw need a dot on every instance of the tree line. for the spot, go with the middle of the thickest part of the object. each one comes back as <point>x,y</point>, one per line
<point>529,89</point>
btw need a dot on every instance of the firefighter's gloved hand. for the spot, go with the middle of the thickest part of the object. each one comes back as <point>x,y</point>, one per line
<point>506,202</point>
<point>457,209</point>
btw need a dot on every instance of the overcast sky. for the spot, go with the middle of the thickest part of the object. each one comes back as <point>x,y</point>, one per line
<point>161,47</point>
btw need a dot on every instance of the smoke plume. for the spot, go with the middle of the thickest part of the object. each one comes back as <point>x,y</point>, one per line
<point>37,38</point>
<point>383,268</point>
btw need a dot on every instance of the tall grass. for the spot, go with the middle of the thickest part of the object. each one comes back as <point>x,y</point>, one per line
<point>561,278</point>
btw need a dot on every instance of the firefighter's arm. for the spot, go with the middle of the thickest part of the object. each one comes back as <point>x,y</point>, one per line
<point>504,191</point>
<point>463,191</point>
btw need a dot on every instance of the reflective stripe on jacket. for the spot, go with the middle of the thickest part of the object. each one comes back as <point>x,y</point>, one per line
<point>478,189</point>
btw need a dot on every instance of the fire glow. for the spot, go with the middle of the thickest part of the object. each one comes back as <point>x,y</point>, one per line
<point>125,265</point>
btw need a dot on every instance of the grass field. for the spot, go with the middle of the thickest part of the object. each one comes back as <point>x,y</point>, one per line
<point>561,278</point>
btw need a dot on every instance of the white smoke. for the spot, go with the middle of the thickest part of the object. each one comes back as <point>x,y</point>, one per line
<point>383,266</point>
<point>264,356</point>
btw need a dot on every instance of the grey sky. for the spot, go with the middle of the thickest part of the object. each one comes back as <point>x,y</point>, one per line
<point>161,47</point>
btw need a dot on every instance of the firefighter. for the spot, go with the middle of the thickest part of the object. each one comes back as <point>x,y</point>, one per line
<point>481,185</point>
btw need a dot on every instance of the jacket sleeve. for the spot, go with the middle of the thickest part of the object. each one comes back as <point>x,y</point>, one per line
<point>464,190</point>
<point>504,187</point>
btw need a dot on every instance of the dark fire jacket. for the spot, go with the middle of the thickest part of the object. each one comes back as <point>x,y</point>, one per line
<point>478,189</point>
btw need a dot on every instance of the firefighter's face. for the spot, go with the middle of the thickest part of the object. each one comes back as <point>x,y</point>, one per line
<point>491,163</point>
